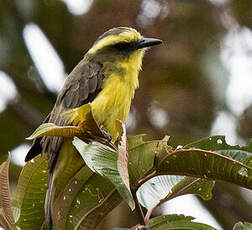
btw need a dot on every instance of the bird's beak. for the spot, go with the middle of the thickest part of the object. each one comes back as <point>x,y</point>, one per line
<point>147,42</point>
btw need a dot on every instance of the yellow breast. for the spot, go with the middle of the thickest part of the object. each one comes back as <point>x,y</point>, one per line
<point>114,100</point>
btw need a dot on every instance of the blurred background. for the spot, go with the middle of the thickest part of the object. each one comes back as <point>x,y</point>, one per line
<point>198,83</point>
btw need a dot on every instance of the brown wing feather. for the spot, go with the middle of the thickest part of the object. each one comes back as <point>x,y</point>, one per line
<point>81,87</point>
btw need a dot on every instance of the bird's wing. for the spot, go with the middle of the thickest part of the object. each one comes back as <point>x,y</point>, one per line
<point>81,87</point>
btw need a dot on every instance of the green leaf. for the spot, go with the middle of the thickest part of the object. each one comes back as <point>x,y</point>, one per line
<point>31,192</point>
<point>103,160</point>
<point>153,191</point>
<point>85,201</point>
<point>176,222</point>
<point>69,162</point>
<point>87,126</point>
<point>141,157</point>
<point>206,164</point>
<point>162,188</point>
<point>50,129</point>
<point>134,141</point>
<point>6,213</point>
<point>192,185</point>
<point>219,144</point>
<point>242,226</point>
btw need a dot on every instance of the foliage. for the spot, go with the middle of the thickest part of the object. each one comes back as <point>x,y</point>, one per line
<point>6,216</point>
<point>153,168</point>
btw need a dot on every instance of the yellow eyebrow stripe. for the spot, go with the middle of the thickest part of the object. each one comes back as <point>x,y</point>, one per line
<point>127,36</point>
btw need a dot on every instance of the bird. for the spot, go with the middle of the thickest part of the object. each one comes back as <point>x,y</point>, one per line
<point>106,79</point>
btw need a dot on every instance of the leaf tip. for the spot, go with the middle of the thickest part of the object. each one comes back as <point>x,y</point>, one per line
<point>31,137</point>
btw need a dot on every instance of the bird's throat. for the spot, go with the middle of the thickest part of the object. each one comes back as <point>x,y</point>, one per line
<point>113,102</point>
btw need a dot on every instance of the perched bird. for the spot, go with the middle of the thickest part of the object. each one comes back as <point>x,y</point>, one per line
<point>106,78</point>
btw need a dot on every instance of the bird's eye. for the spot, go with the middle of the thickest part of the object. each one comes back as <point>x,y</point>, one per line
<point>123,46</point>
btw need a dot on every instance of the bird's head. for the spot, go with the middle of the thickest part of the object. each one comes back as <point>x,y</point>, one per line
<point>120,44</point>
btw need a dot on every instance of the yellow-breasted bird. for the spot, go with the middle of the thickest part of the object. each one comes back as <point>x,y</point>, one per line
<point>106,78</point>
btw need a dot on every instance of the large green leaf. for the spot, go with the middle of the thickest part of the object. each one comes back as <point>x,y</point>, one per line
<point>103,160</point>
<point>219,145</point>
<point>50,129</point>
<point>141,157</point>
<point>162,188</point>
<point>85,201</point>
<point>134,141</point>
<point>175,222</point>
<point>6,214</point>
<point>87,127</point>
<point>69,162</point>
<point>31,192</point>
<point>206,164</point>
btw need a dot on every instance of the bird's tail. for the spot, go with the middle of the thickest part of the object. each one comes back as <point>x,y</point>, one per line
<point>35,150</point>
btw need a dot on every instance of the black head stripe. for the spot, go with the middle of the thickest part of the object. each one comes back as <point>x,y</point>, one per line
<point>125,46</point>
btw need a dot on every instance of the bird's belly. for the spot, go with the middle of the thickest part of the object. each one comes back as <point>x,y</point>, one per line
<point>112,104</point>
